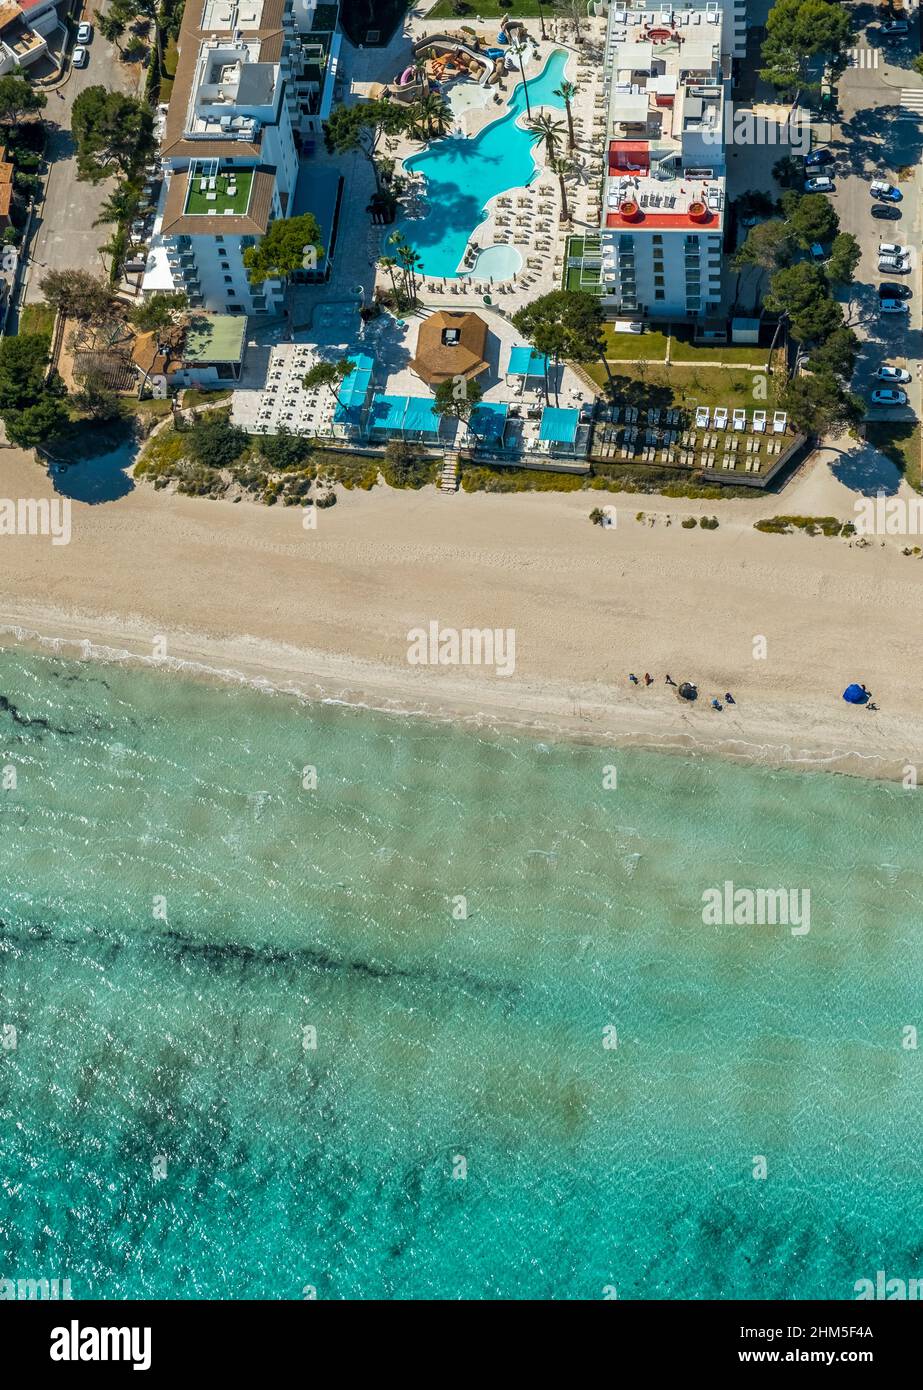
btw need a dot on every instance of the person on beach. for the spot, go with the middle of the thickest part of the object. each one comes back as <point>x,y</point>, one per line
<point>729,698</point>
<point>633,678</point>
<point>716,703</point>
<point>648,678</point>
<point>669,680</point>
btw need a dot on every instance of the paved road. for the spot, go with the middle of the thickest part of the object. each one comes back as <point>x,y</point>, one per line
<point>881,133</point>
<point>65,236</point>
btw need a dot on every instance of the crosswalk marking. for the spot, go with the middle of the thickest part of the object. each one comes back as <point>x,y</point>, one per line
<point>911,100</point>
<point>862,57</point>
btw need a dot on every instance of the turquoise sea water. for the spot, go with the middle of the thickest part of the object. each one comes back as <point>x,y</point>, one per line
<point>176,1046</point>
<point>462,175</point>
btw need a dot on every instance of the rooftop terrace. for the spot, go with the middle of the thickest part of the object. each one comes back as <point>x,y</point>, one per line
<point>213,195</point>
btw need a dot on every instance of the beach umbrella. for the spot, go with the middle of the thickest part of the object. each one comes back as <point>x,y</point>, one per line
<point>687,691</point>
<point>855,695</point>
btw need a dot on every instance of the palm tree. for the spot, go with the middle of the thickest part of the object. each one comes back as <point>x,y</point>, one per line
<point>567,91</point>
<point>548,132</point>
<point>563,168</point>
<point>389,264</point>
<point>541,19</point>
<point>121,204</point>
<point>430,114</point>
<point>411,263</point>
<point>519,49</point>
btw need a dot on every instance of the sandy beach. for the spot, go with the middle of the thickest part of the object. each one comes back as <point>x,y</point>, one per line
<point>326,612</point>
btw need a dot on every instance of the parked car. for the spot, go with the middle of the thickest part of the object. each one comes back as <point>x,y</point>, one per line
<point>817,252</point>
<point>820,156</point>
<point>886,212</point>
<point>892,27</point>
<point>891,290</point>
<point>80,57</point>
<point>822,184</point>
<point>881,189</point>
<point>899,265</point>
<point>889,397</point>
<point>893,248</point>
<point>84,32</point>
<point>892,374</point>
<point>893,306</point>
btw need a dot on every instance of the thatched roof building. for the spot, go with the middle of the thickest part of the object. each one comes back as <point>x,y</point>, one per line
<point>449,344</point>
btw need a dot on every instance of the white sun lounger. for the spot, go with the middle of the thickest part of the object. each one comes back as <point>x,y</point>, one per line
<point>701,417</point>
<point>720,421</point>
<point>759,421</point>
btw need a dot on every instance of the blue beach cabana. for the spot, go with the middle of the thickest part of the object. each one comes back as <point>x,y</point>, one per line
<point>526,362</point>
<point>558,430</point>
<point>404,416</point>
<point>487,425</point>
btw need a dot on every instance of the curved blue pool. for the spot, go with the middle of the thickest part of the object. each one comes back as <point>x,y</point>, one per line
<point>463,175</point>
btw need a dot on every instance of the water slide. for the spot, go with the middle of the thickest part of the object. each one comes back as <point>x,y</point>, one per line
<point>446,46</point>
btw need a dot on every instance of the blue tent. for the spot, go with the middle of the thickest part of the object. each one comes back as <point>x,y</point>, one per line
<point>488,422</point>
<point>355,388</point>
<point>354,391</point>
<point>559,426</point>
<point>525,361</point>
<point>404,415</point>
<point>855,695</point>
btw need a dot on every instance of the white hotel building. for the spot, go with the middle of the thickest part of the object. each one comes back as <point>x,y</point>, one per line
<point>254,81</point>
<point>668,90</point>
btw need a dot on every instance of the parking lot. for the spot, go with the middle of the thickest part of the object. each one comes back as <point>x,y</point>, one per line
<point>64,235</point>
<point>879,136</point>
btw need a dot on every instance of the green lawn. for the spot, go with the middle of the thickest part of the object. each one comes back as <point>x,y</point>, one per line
<point>198,202</point>
<point>37,318</point>
<point>650,345</point>
<point>170,59</point>
<point>193,397</point>
<point>901,442</point>
<point>589,284</point>
<point>685,386</point>
<point>685,350</point>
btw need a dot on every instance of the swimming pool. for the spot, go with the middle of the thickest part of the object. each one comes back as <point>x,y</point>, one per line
<point>496,263</point>
<point>463,175</point>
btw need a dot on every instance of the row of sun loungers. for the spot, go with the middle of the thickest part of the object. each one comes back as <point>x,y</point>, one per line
<point>719,420</point>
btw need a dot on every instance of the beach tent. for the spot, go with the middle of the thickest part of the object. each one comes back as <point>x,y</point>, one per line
<point>855,695</point>
<point>687,691</point>
<point>354,394</point>
<point>525,361</point>
<point>356,386</point>
<point>488,423</point>
<point>559,426</point>
<point>403,415</point>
